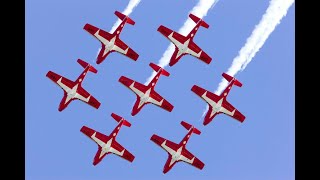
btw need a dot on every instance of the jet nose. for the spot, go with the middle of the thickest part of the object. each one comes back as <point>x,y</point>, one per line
<point>99,60</point>
<point>205,122</point>
<point>165,170</point>
<point>133,113</point>
<point>61,108</point>
<point>95,163</point>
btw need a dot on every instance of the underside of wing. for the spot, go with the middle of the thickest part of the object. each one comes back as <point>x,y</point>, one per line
<point>228,109</point>
<point>84,96</point>
<point>96,136</point>
<point>191,159</point>
<point>167,145</point>
<point>158,100</point>
<point>197,52</point>
<point>121,151</point>
<point>97,33</point>
<point>61,81</point>
<point>205,94</point>
<point>134,86</point>
<point>124,49</point>
<point>173,36</point>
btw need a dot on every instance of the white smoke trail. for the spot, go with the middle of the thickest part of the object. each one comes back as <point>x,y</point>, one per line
<point>200,10</point>
<point>276,11</point>
<point>127,11</point>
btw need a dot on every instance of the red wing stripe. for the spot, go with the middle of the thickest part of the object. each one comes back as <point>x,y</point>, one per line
<point>157,139</point>
<point>196,162</point>
<point>125,81</point>
<point>237,114</point>
<point>201,92</point>
<point>94,102</point>
<point>164,30</point>
<point>161,102</point>
<point>125,48</point>
<point>126,154</point>
<point>89,132</point>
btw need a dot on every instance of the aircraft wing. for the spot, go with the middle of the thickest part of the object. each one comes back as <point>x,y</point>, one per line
<point>197,52</point>
<point>134,86</point>
<point>117,149</point>
<point>97,33</point>
<point>63,82</point>
<point>228,109</point>
<point>173,36</point>
<point>124,49</point>
<point>167,145</point>
<point>96,136</point>
<point>84,96</point>
<point>205,94</point>
<point>156,99</point>
<point>191,159</point>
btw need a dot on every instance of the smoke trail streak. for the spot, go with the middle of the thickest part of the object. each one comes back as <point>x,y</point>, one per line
<point>272,17</point>
<point>276,11</point>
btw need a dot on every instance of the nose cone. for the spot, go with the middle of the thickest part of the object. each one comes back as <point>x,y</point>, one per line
<point>165,170</point>
<point>171,63</point>
<point>61,107</point>
<point>99,59</point>
<point>206,121</point>
<point>134,112</point>
<point>173,60</point>
<point>95,162</point>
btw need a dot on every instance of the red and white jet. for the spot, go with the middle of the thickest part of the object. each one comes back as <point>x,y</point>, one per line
<point>147,94</point>
<point>108,144</point>
<point>72,89</point>
<point>184,44</point>
<point>112,42</point>
<point>218,103</point>
<point>178,152</point>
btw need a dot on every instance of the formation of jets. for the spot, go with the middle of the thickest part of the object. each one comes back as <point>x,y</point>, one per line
<point>145,94</point>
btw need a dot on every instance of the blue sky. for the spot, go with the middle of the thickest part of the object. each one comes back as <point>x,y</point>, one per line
<point>260,148</point>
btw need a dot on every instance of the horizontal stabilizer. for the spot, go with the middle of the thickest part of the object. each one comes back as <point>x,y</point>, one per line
<point>122,17</point>
<point>229,78</point>
<point>188,126</point>
<point>85,64</point>
<point>157,68</point>
<point>196,20</point>
<point>119,119</point>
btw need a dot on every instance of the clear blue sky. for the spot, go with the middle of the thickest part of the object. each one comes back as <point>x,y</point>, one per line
<point>260,148</point>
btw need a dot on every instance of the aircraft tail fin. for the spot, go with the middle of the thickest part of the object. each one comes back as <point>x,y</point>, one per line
<point>188,126</point>
<point>85,64</point>
<point>196,20</point>
<point>124,17</point>
<point>229,78</point>
<point>119,119</point>
<point>157,68</point>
